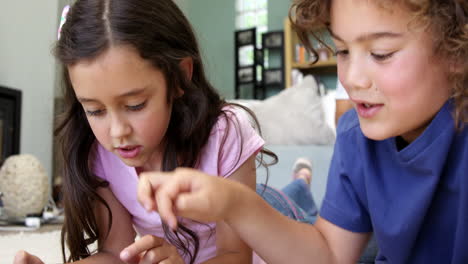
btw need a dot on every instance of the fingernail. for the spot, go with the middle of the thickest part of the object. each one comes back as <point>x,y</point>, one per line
<point>124,254</point>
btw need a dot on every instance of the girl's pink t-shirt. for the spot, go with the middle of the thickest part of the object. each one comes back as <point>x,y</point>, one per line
<point>225,151</point>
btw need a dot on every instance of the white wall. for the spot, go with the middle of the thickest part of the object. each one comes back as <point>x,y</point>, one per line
<point>27,32</point>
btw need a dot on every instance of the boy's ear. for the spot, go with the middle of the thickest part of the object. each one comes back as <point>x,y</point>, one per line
<point>187,67</point>
<point>458,67</point>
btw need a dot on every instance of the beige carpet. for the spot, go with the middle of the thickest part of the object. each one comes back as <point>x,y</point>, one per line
<point>45,245</point>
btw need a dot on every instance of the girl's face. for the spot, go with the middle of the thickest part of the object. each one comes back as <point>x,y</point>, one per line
<point>387,68</point>
<point>124,98</point>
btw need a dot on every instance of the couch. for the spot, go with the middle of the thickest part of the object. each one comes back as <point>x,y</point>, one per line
<point>297,122</point>
<point>280,174</point>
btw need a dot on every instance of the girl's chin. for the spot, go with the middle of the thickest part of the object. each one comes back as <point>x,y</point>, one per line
<point>132,162</point>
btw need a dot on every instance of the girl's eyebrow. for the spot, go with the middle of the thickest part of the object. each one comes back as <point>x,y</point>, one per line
<point>133,92</point>
<point>370,36</point>
<point>126,94</point>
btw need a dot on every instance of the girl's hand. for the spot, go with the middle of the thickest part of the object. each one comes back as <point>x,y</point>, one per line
<point>188,193</point>
<point>23,257</point>
<point>151,249</point>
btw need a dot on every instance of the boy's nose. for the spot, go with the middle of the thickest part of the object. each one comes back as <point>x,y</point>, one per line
<point>355,76</point>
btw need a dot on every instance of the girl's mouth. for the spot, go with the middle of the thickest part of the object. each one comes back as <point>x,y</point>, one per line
<point>129,152</point>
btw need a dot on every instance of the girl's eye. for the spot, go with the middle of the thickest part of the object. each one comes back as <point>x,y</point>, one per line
<point>94,113</point>
<point>382,57</point>
<point>136,107</point>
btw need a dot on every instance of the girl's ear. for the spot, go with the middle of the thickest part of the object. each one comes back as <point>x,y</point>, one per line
<point>187,67</point>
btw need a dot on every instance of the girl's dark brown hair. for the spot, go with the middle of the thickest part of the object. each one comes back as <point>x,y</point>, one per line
<point>447,20</point>
<point>161,34</point>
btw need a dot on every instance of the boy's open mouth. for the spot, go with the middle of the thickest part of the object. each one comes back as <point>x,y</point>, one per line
<point>367,110</point>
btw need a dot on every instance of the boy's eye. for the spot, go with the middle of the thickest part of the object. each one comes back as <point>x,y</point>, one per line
<point>381,57</point>
<point>136,107</point>
<point>341,52</point>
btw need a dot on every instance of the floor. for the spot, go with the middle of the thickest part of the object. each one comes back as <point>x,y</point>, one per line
<point>43,242</point>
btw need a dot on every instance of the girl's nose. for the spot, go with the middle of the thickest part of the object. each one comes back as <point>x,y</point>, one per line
<point>120,127</point>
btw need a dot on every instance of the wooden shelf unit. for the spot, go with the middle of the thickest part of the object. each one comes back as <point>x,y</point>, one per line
<point>290,41</point>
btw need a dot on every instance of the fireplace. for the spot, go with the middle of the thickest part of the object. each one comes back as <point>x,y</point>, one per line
<point>10,117</point>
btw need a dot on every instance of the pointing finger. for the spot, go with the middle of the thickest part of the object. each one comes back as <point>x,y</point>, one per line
<point>148,185</point>
<point>140,246</point>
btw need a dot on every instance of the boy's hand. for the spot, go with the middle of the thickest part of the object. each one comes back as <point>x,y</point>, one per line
<point>23,257</point>
<point>151,249</point>
<point>188,193</point>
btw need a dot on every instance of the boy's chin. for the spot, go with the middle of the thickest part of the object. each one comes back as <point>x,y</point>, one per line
<point>375,133</point>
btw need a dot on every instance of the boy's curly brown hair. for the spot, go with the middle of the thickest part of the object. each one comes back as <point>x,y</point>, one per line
<point>447,20</point>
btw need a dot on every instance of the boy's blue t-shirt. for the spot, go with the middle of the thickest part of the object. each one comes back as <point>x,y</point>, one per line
<point>414,200</point>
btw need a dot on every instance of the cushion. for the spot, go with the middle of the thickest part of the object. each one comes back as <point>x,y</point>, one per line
<point>294,116</point>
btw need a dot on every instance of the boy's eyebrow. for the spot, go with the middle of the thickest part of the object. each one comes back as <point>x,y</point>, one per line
<point>370,36</point>
<point>127,94</point>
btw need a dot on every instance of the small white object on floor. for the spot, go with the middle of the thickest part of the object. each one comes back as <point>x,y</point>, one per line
<point>46,215</point>
<point>32,222</point>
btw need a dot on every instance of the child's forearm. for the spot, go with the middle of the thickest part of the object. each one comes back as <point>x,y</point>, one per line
<point>276,238</point>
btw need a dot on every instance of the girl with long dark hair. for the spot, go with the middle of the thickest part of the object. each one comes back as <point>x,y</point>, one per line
<point>137,100</point>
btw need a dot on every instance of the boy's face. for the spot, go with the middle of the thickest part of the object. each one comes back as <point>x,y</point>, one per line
<point>387,68</point>
<point>124,98</point>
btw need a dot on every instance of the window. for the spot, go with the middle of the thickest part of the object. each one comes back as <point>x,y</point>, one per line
<point>252,13</point>
<point>249,14</point>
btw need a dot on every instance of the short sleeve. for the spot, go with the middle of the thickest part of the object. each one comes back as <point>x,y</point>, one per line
<point>239,141</point>
<point>343,204</point>
<point>341,93</point>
